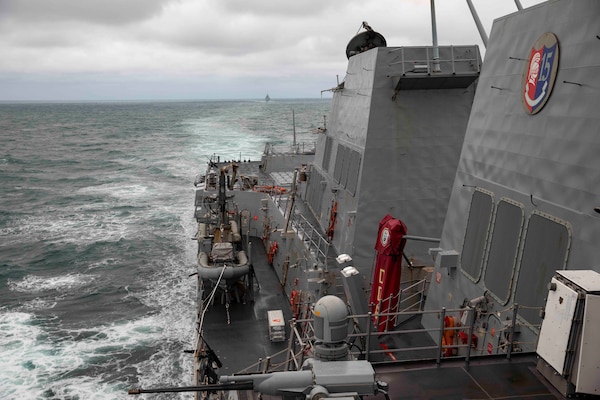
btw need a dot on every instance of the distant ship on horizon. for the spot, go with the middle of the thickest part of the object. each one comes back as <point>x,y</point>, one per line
<point>267,98</point>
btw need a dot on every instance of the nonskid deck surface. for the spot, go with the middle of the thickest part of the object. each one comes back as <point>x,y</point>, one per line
<point>487,378</point>
<point>242,342</point>
<point>405,341</point>
<point>493,377</point>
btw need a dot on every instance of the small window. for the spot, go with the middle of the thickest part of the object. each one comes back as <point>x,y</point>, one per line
<point>478,225</point>
<point>504,245</point>
<point>327,153</point>
<point>353,172</point>
<point>339,162</point>
<point>315,191</point>
<point>345,166</point>
<point>545,251</point>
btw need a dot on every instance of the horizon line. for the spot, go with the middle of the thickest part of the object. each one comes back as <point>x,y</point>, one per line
<point>173,100</point>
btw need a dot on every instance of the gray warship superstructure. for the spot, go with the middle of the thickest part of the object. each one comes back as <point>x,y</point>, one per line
<point>495,173</point>
<point>524,209</point>
<point>393,143</point>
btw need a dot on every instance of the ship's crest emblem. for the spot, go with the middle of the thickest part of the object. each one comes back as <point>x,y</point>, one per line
<point>385,237</point>
<point>540,73</point>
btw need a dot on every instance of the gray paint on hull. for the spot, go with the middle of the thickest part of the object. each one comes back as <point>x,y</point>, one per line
<point>409,145</point>
<point>547,162</point>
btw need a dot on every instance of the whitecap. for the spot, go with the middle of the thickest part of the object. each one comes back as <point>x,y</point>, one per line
<point>23,355</point>
<point>39,304</point>
<point>48,360</point>
<point>76,228</point>
<point>35,360</point>
<point>128,191</point>
<point>36,283</point>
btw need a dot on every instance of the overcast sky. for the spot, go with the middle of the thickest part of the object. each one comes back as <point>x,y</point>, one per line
<point>207,49</point>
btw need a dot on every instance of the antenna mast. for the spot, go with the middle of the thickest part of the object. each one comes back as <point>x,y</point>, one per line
<point>436,49</point>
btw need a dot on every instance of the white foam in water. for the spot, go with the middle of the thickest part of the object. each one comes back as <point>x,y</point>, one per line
<point>173,294</point>
<point>38,356</point>
<point>39,304</point>
<point>23,355</point>
<point>33,365</point>
<point>229,144</point>
<point>125,191</point>
<point>79,227</point>
<point>35,283</point>
<point>148,198</point>
<point>89,222</point>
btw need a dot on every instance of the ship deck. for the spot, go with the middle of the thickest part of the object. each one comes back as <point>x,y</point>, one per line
<point>241,338</point>
<point>484,378</point>
<point>245,340</point>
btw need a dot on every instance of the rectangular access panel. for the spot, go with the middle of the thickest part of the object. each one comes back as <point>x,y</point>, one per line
<point>556,327</point>
<point>568,340</point>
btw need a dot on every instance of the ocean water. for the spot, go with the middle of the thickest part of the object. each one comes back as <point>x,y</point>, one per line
<point>96,216</point>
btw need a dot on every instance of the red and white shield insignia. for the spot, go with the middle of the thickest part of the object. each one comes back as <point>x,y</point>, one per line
<point>540,73</point>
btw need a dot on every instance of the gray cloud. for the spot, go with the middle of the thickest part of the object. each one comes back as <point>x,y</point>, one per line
<point>81,45</point>
<point>105,12</point>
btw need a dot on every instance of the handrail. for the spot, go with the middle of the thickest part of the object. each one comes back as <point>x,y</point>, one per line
<point>466,348</point>
<point>301,339</point>
<point>420,66</point>
<point>298,148</point>
<point>312,237</point>
<point>307,232</point>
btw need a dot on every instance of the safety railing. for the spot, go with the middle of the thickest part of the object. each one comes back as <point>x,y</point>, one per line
<point>454,60</point>
<point>446,341</point>
<point>317,244</point>
<point>298,148</point>
<point>410,297</point>
<point>452,340</point>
